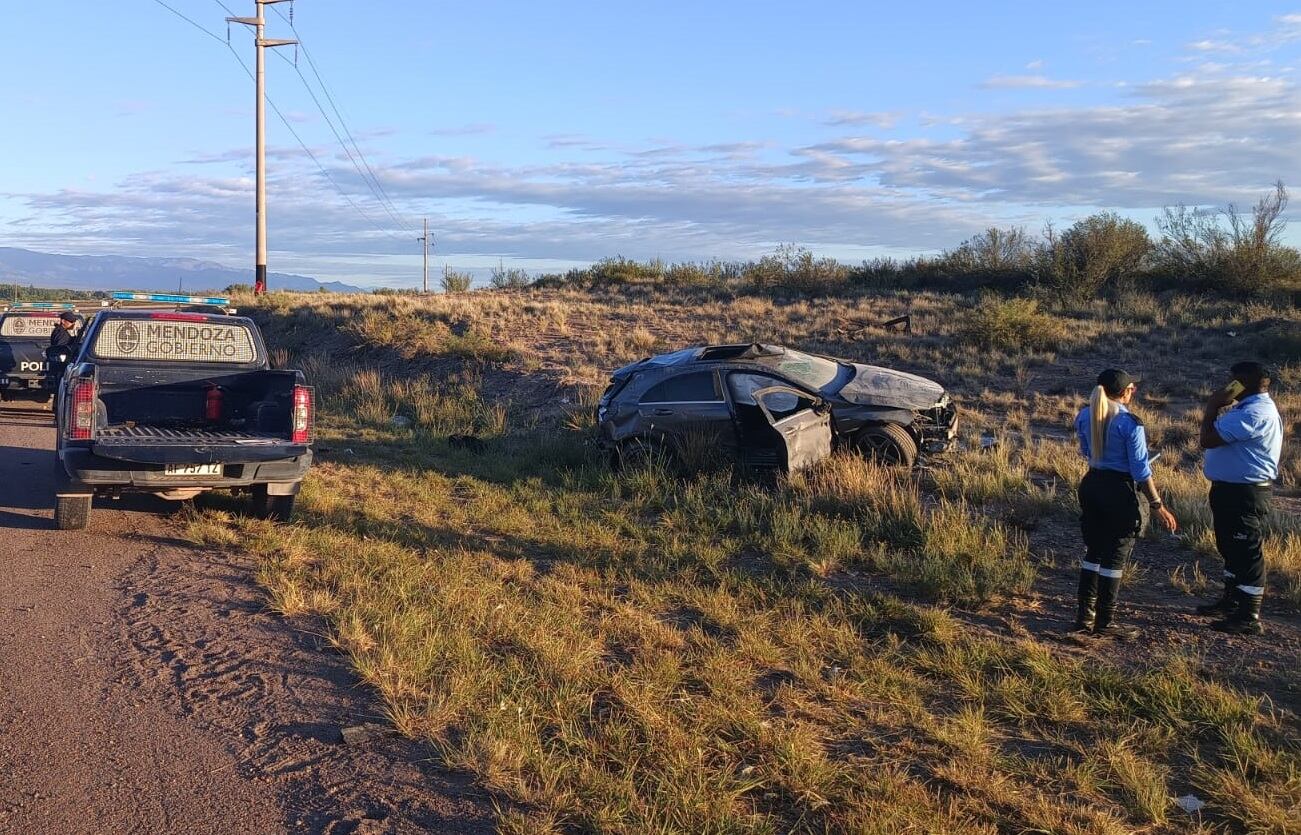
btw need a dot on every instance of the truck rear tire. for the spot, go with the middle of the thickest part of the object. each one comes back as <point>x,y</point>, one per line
<point>275,508</point>
<point>71,513</point>
<point>889,444</point>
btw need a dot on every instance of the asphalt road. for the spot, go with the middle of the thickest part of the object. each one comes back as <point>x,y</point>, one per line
<point>143,688</point>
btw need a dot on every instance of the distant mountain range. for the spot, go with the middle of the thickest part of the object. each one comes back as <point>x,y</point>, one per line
<point>155,275</point>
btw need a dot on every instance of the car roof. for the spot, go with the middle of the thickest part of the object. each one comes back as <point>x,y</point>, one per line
<point>755,352</point>
<point>716,353</point>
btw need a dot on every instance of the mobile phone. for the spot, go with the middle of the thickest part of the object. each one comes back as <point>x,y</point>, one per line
<point>1234,389</point>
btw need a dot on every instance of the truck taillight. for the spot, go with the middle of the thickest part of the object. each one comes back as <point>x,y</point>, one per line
<point>82,420</point>
<point>303,414</point>
<point>212,407</point>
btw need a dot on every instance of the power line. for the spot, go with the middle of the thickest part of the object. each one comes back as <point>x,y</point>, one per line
<point>281,116</point>
<point>386,206</point>
<point>312,156</point>
<point>382,194</point>
<point>201,28</point>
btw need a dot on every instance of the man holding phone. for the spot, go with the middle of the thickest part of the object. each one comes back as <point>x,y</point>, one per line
<point>1243,445</point>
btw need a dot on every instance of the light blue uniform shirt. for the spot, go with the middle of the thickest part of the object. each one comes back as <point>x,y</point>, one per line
<point>1126,447</point>
<point>1254,431</point>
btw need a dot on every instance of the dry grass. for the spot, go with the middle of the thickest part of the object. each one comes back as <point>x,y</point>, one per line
<point>638,652</point>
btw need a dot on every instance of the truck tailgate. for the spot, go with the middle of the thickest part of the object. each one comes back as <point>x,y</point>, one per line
<point>169,445</point>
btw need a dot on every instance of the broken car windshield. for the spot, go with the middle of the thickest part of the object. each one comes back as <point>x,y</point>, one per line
<point>813,372</point>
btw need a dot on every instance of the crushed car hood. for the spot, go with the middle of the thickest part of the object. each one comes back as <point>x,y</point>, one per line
<point>876,386</point>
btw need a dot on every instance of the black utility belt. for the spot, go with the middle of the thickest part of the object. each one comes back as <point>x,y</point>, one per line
<point>1116,474</point>
<point>1259,485</point>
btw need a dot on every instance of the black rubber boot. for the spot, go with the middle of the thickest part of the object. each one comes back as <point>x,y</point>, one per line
<point>1222,607</point>
<point>1088,601</point>
<point>1245,618</point>
<point>1104,625</point>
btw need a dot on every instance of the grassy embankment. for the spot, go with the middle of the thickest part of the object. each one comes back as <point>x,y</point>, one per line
<point>638,652</point>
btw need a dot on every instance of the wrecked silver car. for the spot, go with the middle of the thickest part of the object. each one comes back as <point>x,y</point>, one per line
<point>769,405</point>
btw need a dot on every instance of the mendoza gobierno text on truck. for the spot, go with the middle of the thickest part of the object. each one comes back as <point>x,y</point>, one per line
<point>177,403</point>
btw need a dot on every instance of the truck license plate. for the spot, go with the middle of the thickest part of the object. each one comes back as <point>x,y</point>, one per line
<point>192,469</point>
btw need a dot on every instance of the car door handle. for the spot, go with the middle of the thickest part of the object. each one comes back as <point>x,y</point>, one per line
<point>663,411</point>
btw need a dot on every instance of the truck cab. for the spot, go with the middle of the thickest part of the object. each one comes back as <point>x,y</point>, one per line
<point>175,396</point>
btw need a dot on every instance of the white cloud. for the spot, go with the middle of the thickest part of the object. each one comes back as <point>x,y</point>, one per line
<point>858,118</point>
<point>1027,82</point>
<point>1194,138</point>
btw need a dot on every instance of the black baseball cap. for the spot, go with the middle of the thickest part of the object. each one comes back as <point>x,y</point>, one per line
<point>68,316</point>
<point>1115,381</point>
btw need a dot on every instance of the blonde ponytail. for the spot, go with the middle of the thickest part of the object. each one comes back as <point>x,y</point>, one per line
<point>1101,411</point>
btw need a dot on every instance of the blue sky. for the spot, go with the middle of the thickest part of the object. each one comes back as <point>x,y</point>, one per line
<point>545,135</point>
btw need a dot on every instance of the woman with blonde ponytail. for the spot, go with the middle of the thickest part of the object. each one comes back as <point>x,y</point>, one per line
<point>1112,515</point>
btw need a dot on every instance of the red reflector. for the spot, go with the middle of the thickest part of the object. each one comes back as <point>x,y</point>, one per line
<point>82,419</point>
<point>303,414</point>
<point>179,317</point>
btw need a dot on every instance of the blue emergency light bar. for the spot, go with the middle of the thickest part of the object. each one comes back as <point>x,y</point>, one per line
<point>172,298</point>
<point>44,306</point>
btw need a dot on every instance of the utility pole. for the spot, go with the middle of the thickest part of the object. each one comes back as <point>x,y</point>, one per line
<point>258,24</point>
<point>424,239</point>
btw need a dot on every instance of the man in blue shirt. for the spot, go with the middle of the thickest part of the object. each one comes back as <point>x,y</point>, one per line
<point>1244,446</point>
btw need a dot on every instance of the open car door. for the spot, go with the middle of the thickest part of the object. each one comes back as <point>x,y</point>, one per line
<point>802,425</point>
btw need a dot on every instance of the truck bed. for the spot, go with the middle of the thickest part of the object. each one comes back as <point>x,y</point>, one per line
<point>159,435</point>
<point>173,445</point>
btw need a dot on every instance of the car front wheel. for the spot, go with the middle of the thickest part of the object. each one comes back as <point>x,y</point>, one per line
<point>887,443</point>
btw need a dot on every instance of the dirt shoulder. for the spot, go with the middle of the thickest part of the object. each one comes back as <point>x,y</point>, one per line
<point>143,688</point>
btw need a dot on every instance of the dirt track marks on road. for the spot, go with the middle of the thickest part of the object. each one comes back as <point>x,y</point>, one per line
<point>144,689</point>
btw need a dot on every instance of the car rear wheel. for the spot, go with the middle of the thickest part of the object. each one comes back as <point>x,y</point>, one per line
<point>71,513</point>
<point>889,444</point>
<point>274,508</point>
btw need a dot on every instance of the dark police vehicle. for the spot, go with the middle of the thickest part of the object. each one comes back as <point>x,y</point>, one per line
<point>174,395</point>
<point>25,328</point>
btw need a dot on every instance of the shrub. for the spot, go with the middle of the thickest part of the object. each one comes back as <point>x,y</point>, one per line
<point>619,270</point>
<point>794,268</point>
<point>1094,256</point>
<point>992,251</point>
<point>455,282</point>
<point>1010,325</point>
<point>1226,251</point>
<point>509,279</point>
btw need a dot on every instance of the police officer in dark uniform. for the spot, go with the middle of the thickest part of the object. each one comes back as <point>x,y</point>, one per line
<point>63,343</point>
<point>1244,447</point>
<point>62,339</point>
<point>1115,497</point>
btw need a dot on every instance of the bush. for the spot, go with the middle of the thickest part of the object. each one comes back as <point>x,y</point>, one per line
<point>509,279</point>
<point>794,268</point>
<point>1011,325</point>
<point>1227,252</point>
<point>455,282</point>
<point>994,250</point>
<point>1095,256</point>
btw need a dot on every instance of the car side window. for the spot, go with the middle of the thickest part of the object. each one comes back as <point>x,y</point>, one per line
<point>744,386</point>
<point>695,387</point>
<point>783,404</point>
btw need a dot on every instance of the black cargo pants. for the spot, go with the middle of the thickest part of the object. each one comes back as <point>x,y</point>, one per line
<point>1111,518</point>
<point>1239,512</point>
